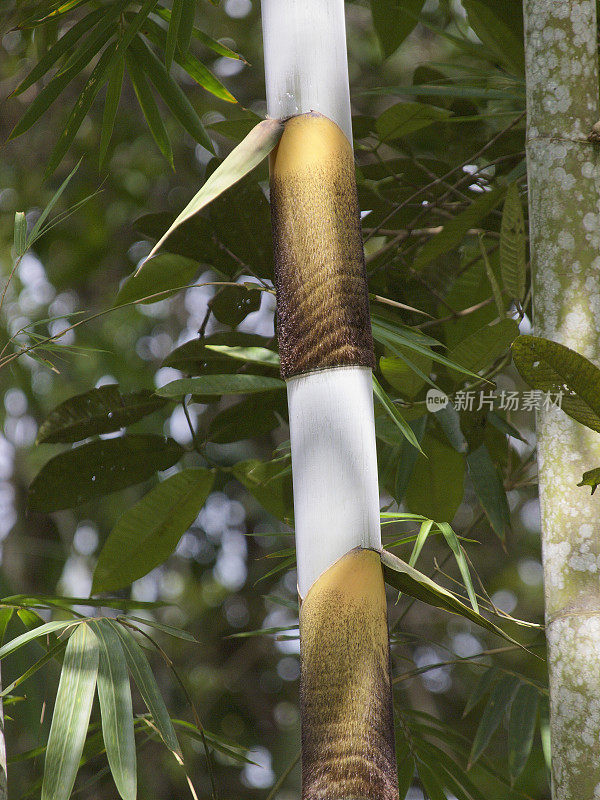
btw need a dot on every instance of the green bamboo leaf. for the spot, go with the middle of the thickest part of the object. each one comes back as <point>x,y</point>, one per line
<point>53,652</point>
<point>134,25</point>
<point>82,57</point>
<point>408,580</point>
<point>232,304</point>
<point>501,696</point>
<point>114,694</point>
<point>49,601</point>
<point>38,229</point>
<point>195,68</point>
<point>173,32</point>
<point>98,468</point>
<point>186,25</point>
<point>270,483</point>
<point>481,688</point>
<point>69,39</point>
<point>406,118</point>
<point>406,771</point>
<point>71,715</point>
<point>20,233</point>
<point>455,230</point>
<point>171,93</point>
<point>504,40</point>
<point>489,489</point>
<point>521,728</point>
<point>148,106</point>
<point>80,109</point>
<point>207,41</point>
<point>453,543</point>
<point>100,410</point>
<point>147,686</point>
<point>436,486</point>
<point>195,357</point>
<point>217,385</point>
<point>484,346</point>
<point>113,95</point>
<point>431,784</point>
<point>553,368</point>
<point>391,22</point>
<point>35,633</point>
<point>158,278</point>
<point>251,355</point>
<point>6,615</point>
<point>513,245</point>
<point>149,531</point>
<point>448,419</point>
<point>399,373</point>
<point>254,416</point>
<point>451,90</point>
<point>247,155</point>
<point>420,541</point>
<point>395,414</point>
<point>496,292</point>
<point>170,630</point>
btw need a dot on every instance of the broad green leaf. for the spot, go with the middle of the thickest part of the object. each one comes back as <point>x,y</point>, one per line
<point>113,95</point>
<point>148,106</point>
<point>101,410</point>
<point>391,22</point>
<point>147,686</point>
<point>489,489</point>
<point>71,37</point>
<point>270,482</point>
<point>149,531</point>
<point>71,715</point>
<point>395,414</point>
<point>196,358</point>
<point>405,118</point>
<point>553,368</point>
<point>35,633</point>
<point>232,304</point>
<point>158,278</point>
<point>448,419</point>
<point>523,721</point>
<point>513,258</point>
<point>170,91</point>
<point>591,478</point>
<point>252,355</point>
<point>501,696</point>
<point>408,580</point>
<point>437,483</point>
<point>98,468</point>
<point>455,230</point>
<point>84,54</point>
<point>173,32</point>
<point>20,233</point>
<point>400,375</point>
<point>484,346</point>
<point>116,710</point>
<point>254,416</point>
<point>220,384</point>
<point>81,108</point>
<point>247,155</point>
<point>503,40</point>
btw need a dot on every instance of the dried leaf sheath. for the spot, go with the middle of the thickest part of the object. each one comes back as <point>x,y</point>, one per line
<point>322,303</point>
<point>346,704</point>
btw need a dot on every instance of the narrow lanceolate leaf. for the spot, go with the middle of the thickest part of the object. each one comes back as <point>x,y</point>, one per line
<point>501,696</point>
<point>406,118</point>
<point>173,32</point>
<point>81,108</point>
<point>481,688</point>
<point>217,385</point>
<point>114,694</point>
<point>158,278</point>
<point>453,543</point>
<point>513,245</point>
<point>394,414</point>
<point>186,25</point>
<point>37,229</point>
<point>71,716</point>
<point>521,728</point>
<point>455,230</point>
<point>148,533</point>
<point>147,686</point>
<point>171,93</point>
<point>242,160</point>
<point>408,580</point>
<point>20,233</point>
<point>149,107</point>
<point>100,410</point>
<point>35,633</point>
<point>113,95</point>
<point>572,381</point>
<point>490,490</point>
<point>98,468</point>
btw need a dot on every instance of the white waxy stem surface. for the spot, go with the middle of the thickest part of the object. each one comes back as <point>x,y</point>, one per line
<point>334,459</point>
<point>306,65</point>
